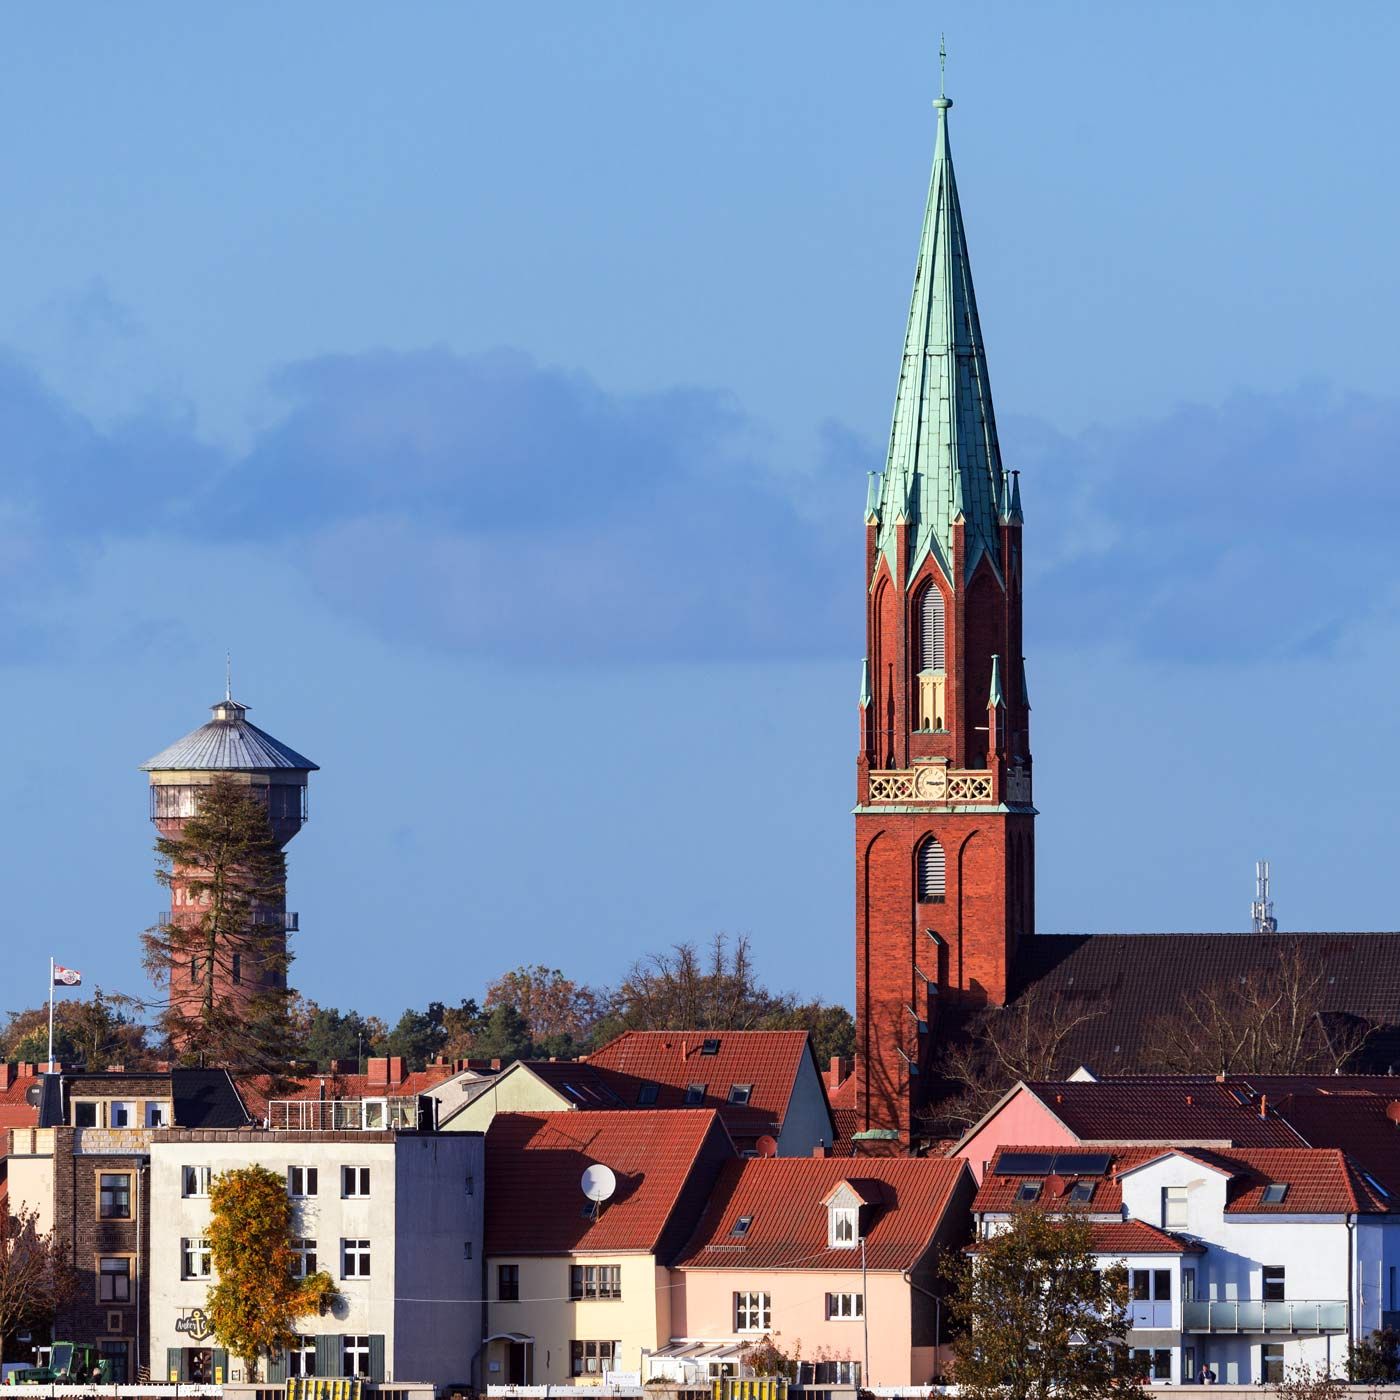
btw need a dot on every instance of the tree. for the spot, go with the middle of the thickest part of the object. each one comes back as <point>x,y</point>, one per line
<point>462,1023</point>
<point>327,1034</point>
<point>256,1300</point>
<point>504,1035</point>
<point>1310,1383</point>
<point>1272,1024</point>
<point>1377,1358</point>
<point>687,990</point>
<point>1039,1317</point>
<point>998,1045</point>
<point>555,1007</point>
<point>228,863</point>
<point>96,1032</point>
<point>418,1035</point>
<point>35,1279</point>
<point>832,1028</point>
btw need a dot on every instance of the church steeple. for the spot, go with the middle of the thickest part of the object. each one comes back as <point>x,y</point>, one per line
<point>943,455</point>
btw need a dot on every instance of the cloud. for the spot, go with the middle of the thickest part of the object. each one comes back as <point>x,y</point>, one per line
<point>491,505</point>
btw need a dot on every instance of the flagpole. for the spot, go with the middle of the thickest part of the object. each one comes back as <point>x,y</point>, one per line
<point>50,1063</point>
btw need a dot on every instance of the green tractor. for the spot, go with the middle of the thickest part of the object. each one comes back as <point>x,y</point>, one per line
<point>70,1363</point>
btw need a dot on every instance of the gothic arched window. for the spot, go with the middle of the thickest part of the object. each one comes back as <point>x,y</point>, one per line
<point>932,872</point>
<point>931,628</point>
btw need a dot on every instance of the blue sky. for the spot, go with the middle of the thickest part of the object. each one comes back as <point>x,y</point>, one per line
<point>498,383</point>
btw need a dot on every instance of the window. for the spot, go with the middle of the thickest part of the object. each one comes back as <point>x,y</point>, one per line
<point>932,872</point>
<point>194,1181</point>
<point>114,1195</point>
<point>1271,1361</point>
<point>1274,1193</point>
<point>157,1115</point>
<point>195,1259</point>
<point>844,1305</point>
<point>828,1373</point>
<point>595,1281</point>
<point>121,1113</point>
<point>710,1046</point>
<point>842,1226</point>
<point>1375,1186</point>
<point>114,1279</point>
<point>694,1094</point>
<point>1188,1285</point>
<point>741,1227</point>
<point>237,968</point>
<point>354,1258</point>
<point>466,1249</point>
<point>753,1312</point>
<point>931,629</point>
<point>301,1182</point>
<point>354,1357</point>
<point>1155,1365</point>
<point>1273,1283</point>
<point>303,1262</point>
<point>471,1184</point>
<point>301,1357</point>
<point>1028,1191</point>
<point>593,1358</point>
<point>354,1181</point>
<point>740,1093</point>
<point>508,1283</point>
<point>1082,1192</point>
<point>85,1115</point>
<point>1174,1208</point>
<point>646,1094</point>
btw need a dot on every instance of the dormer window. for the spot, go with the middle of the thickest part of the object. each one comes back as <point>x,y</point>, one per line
<point>843,1226</point>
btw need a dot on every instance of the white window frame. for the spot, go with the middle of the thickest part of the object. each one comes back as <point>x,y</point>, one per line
<point>157,1114</point>
<point>845,1307</point>
<point>1175,1207</point>
<point>358,1251</point>
<point>301,1357</point>
<point>354,1183</point>
<point>195,1181</point>
<point>843,1227</point>
<point>196,1258</point>
<point>753,1311</point>
<point>303,1258</point>
<point>303,1183</point>
<point>354,1345</point>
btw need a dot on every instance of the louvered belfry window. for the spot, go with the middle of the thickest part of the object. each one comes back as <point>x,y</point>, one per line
<point>932,881</point>
<point>931,629</point>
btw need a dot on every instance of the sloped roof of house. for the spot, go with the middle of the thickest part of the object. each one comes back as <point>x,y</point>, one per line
<point>199,1098</point>
<point>1319,1181</point>
<point>1138,1237</point>
<point>782,1199</point>
<point>1359,1124</point>
<point>665,1162</point>
<point>767,1061</point>
<point>19,1108</point>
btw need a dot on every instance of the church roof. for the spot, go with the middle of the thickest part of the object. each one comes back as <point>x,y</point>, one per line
<point>943,459</point>
<point>1128,981</point>
<point>228,744</point>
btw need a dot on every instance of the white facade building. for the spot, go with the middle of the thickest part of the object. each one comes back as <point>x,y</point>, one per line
<point>394,1217</point>
<point>1245,1261</point>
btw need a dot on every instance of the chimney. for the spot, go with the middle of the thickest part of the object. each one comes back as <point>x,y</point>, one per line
<point>397,1074</point>
<point>821,1150</point>
<point>378,1068</point>
<point>6,1075</point>
<point>839,1071</point>
<point>1263,1105</point>
<point>1189,1101</point>
<point>26,1069</point>
<point>116,1069</point>
<point>495,1064</point>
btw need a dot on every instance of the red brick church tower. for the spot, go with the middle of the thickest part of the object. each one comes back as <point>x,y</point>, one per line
<point>945,840</point>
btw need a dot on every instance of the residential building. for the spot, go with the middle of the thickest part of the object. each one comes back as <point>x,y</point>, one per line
<point>581,1286</point>
<point>394,1216</point>
<point>836,1257</point>
<point>85,1168</point>
<point>386,1087</point>
<point>1246,1260</point>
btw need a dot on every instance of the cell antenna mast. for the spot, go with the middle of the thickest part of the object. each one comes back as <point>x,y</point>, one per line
<point>1261,912</point>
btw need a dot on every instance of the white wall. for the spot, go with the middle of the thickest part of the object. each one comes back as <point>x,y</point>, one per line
<point>417,1218</point>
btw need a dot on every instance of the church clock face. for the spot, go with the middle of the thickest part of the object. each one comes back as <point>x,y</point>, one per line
<point>931,783</point>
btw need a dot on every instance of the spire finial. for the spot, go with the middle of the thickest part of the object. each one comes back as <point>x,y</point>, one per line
<point>942,64</point>
<point>228,675</point>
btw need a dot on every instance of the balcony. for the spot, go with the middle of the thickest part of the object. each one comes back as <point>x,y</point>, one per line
<point>930,783</point>
<point>1263,1315</point>
<point>286,919</point>
<point>342,1115</point>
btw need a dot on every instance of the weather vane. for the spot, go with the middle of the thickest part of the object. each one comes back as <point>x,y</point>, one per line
<point>942,64</point>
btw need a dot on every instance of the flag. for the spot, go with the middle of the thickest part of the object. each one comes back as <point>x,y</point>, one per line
<point>66,977</point>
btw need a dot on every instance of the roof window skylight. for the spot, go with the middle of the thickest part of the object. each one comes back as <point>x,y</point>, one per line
<point>1274,1193</point>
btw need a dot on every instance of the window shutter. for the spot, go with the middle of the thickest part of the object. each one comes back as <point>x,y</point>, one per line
<point>376,1356</point>
<point>277,1367</point>
<point>932,871</point>
<point>221,1366</point>
<point>173,1357</point>
<point>931,629</point>
<point>328,1354</point>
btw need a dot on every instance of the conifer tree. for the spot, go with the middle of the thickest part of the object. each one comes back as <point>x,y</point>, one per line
<point>233,872</point>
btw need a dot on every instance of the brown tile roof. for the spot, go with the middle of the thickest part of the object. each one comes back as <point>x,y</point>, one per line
<point>1131,979</point>
<point>1361,1125</point>
<point>1163,1108</point>
<point>673,1060</point>
<point>788,1222</point>
<point>1320,1181</point>
<point>665,1162</point>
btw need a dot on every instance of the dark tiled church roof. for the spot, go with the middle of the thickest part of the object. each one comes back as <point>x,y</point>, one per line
<point>1132,979</point>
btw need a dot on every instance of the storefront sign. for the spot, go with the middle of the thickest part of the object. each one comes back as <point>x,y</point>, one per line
<point>195,1325</point>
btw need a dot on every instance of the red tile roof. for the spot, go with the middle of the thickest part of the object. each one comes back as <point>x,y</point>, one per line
<point>1360,1125</point>
<point>847,1122</point>
<point>768,1060</point>
<point>15,1109</point>
<point>1138,1237</point>
<point>665,1162</point>
<point>844,1094</point>
<point>1320,1181</point>
<point>255,1090</point>
<point>788,1222</point>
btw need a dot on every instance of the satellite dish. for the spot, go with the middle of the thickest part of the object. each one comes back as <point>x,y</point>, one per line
<point>33,1094</point>
<point>598,1183</point>
<point>766,1146</point>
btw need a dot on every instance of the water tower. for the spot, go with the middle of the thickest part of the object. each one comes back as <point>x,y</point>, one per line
<point>228,746</point>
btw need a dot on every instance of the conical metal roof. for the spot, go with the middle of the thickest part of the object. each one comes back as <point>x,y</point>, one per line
<point>228,744</point>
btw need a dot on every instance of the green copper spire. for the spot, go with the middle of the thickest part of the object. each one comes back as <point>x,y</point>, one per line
<point>943,458</point>
<point>865,684</point>
<point>994,695</point>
